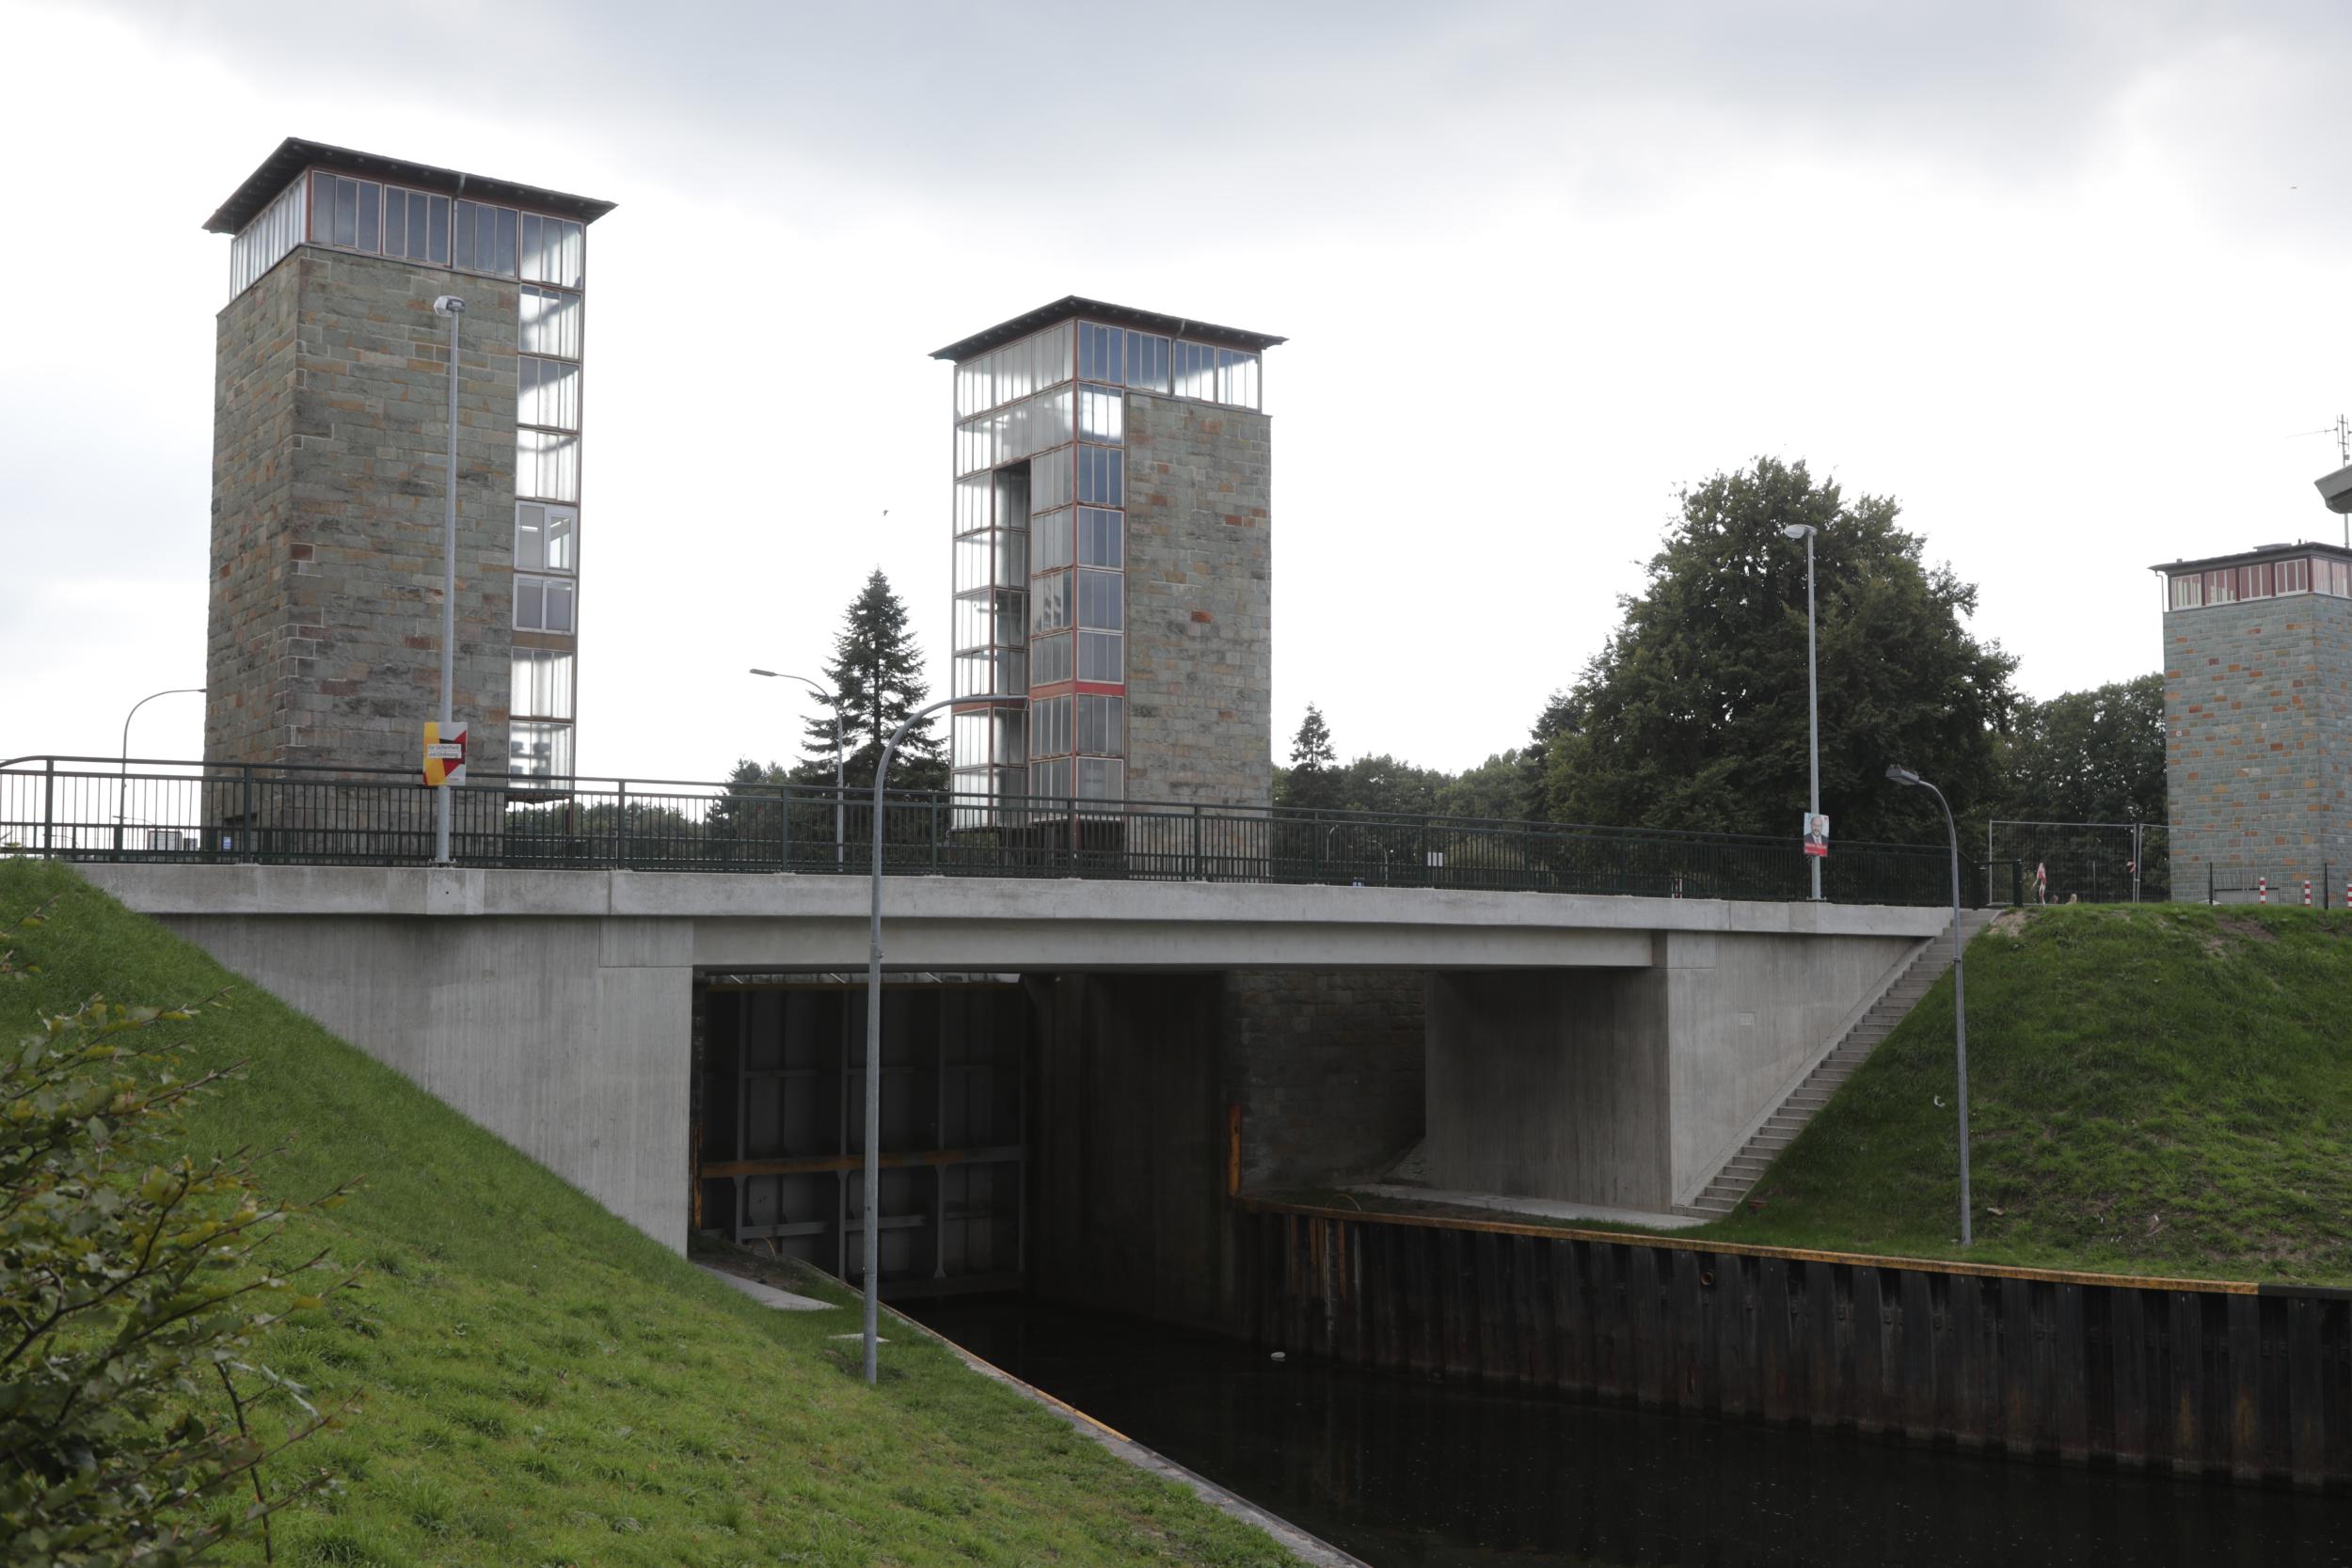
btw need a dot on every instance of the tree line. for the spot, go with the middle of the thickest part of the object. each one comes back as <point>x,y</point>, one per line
<point>1692,715</point>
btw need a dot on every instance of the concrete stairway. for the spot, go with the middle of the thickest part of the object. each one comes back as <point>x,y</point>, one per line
<point>1789,1118</point>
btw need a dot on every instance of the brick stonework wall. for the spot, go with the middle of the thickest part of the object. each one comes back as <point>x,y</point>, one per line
<point>254,451</point>
<point>1331,1071</point>
<point>329,439</point>
<point>1199,603</point>
<point>2258,724</point>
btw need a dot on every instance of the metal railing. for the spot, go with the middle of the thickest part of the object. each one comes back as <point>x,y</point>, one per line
<point>91,808</point>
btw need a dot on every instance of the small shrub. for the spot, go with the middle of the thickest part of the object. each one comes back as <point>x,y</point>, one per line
<point>134,1294</point>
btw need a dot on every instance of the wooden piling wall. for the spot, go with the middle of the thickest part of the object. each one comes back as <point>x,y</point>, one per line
<point>2205,1377</point>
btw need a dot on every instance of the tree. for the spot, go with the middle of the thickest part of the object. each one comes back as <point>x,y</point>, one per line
<point>1494,791</point>
<point>1692,715</point>
<point>876,672</point>
<point>1535,756</point>
<point>1309,784</point>
<point>1383,783</point>
<point>2089,756</point>
<point>135,1290</point>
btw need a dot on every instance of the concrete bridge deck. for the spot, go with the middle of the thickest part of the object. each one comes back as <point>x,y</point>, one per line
<point>1595,1050</point>
<point>1065,924</point>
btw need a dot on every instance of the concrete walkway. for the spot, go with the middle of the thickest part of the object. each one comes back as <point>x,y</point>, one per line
<point>768,1295</point>
<point>1533,1208</point>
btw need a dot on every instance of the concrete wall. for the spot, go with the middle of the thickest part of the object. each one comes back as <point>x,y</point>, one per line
<point>2258,724</point>
<point>1199,603</point>
<point>1552,1086</point>
<point>570,1038</point>
<point>330,433</point>
<point>1747,1017</point>
<point>1327,1067</point>
<point>1629,1087</point>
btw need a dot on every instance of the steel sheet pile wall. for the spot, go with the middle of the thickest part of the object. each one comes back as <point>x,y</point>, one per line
<point>2206,1377</point>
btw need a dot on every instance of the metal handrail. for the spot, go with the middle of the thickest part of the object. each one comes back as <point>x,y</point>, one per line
<point>313,812</point>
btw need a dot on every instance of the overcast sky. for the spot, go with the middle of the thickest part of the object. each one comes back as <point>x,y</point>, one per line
<point>2058,277</point>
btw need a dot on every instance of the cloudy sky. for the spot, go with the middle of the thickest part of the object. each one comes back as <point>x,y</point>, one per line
<point>2058,277</point>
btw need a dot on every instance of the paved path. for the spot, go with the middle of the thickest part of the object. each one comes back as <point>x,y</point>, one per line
<point>1539,1208</point>
<point>768,1295</point>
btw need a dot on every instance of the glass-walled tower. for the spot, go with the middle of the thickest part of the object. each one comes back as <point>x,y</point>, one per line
<point>330,441</point>
<point>1113,537</point>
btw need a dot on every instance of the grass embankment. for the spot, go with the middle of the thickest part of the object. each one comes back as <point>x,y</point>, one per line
<point>538,1383</point>
<point>2159,1089</point>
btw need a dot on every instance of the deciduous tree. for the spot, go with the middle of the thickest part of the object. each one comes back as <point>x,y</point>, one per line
<point>1692,715</point>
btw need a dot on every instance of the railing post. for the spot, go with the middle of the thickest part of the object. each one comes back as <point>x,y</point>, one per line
<point>245,830</point>
<point>935,833</point>
<point>620,828</point>
<point>49,806</point>
<point>1197,875</point>
<point>784,832</point>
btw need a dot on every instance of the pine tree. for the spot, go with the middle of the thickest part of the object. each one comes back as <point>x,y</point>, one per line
<point>876,670</point>
<point>1311,746</point>
<point>1310,782</point>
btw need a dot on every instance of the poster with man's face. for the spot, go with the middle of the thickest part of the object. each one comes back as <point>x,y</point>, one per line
<point>1815,833</point>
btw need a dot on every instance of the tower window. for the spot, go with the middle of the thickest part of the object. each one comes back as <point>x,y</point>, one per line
<point>546,538</point>
<point>544,603</point>
<point>551,322</point>
<point>415,226</point>
<point>485,238</point>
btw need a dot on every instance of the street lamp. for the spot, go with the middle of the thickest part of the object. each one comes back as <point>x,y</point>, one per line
<point>834,698</point>
<point>1812,689</point>
<point>1902,775</point>
<point>122,779</point>
<point>873,1023</point>
<point>451,306</point>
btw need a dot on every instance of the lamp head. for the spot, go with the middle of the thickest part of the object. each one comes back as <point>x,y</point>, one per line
<point>1901,774</point>
<point>448,304</point>
<point>770,674</point>
<point>1797,530</point>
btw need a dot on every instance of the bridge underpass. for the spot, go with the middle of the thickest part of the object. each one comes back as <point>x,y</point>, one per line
<point>1079,1074</point>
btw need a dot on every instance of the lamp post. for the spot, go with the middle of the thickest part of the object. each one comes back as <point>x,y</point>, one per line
<point>451,306</point>
<point>1812,689</point>
<point>873,1023</point>
<point>1902,775</point>
<point>838,754</point>
<point>122,778</point>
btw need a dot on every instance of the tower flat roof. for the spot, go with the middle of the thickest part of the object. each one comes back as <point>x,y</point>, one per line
<point>1118,315</point>
<point>295,154</point>
<point>2260,553</point>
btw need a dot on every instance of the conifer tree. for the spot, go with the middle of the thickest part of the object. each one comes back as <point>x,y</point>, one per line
<point>1310,782</point>
<point>875,670</point>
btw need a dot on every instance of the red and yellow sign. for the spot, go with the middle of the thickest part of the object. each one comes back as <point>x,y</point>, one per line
<point>444,754</point>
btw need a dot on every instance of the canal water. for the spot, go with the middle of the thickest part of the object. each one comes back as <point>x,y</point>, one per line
<point>1409,1472</point>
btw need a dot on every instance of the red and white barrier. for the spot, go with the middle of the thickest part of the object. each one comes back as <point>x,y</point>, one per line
<point>2307,893</point>
<point>2262,891</point>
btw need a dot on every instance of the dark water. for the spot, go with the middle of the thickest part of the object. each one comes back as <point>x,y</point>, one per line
<point>1405,1471</point>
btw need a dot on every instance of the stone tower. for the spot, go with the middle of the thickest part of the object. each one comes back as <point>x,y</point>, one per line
<point>1114,546</point>
<point>329,451</point>
<point>2258,719</point>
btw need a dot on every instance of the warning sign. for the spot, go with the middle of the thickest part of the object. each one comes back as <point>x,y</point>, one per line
<point>444,754</point>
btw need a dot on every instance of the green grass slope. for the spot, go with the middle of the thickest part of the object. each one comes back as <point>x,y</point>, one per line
<point>2159,1089</point>
<point>539,1383</point>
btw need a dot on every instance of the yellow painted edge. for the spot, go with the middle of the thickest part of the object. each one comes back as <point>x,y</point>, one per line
<point>1750,1249</point>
